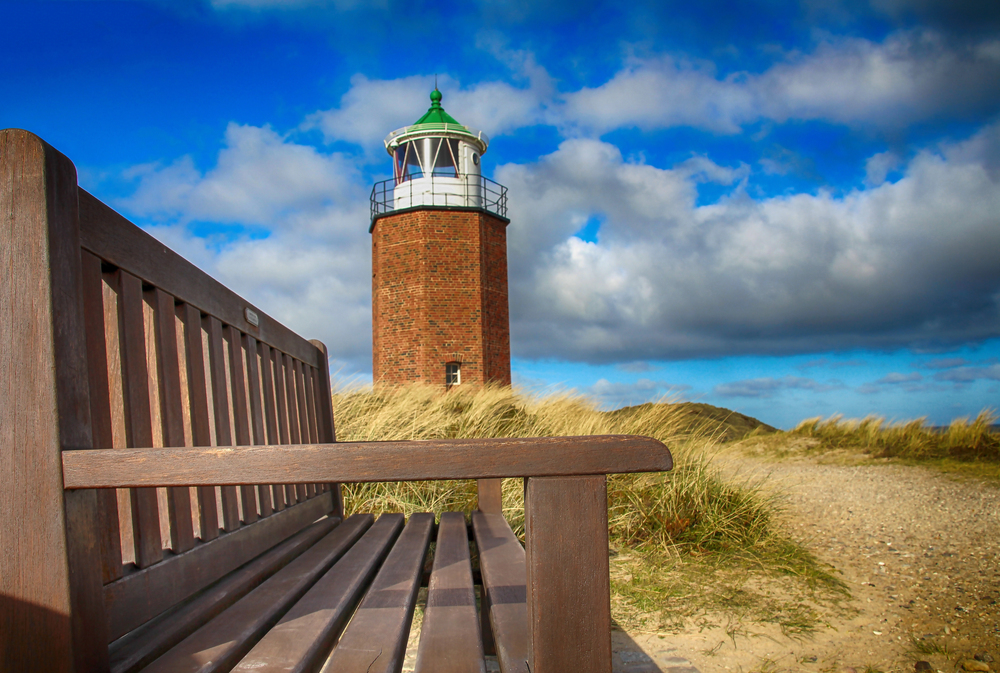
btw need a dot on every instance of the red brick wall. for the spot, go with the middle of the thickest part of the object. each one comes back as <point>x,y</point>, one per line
<point>439,295</point>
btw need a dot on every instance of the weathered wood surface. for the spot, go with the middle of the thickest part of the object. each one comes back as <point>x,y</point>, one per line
<point>221,643</point>
<point>325,421</point>
<point>142,595</point>
<point>220,403</point>
<point>116,240</point>
<point>375,640</point>
<point>147,642</point>
<point>92,287</point>
<point>450,641</point>
<point>181,531</point>
<point>145,519</point>
<point>568,587</point>
<point>490,496</point>
<point>307,632</point>
<point>502,565</point>
<point>366,461</point>
<point>201,425</point>
<point>171,358</point>
<point>51,612</point>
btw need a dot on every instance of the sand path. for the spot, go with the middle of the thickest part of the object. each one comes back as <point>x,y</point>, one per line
<point>919,551</point>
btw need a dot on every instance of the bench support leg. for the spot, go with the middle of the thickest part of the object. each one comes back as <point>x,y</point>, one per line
<point>569,593</point>
<point>51,603</point>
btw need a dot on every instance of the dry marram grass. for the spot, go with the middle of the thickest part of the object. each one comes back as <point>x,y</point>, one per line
<point>666,530</point>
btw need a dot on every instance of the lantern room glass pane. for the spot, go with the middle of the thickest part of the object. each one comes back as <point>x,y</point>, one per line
<point>426,156</point>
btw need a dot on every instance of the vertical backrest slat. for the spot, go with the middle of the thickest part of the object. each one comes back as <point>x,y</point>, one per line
<point>145,513</point>
<point>155,405</point>
<point>297,492</point>
<point>284,432</point>
<point>271,415</point>
<point>201,431</point>
<point>51,604</point>
<point>303,407</point>
<point>241,417</point>
<point>109,536</point>
<point>267,380</point>
<point>116,385</point>
<point>324,415</point>
<point>281,395</point>
<point>254,390</point>
<point>256,417</point>
<point>220,399</point>
<point>178,499</point>
<point>306,417</point>
<point>292,400</point>
<point>308,376</point>
<point>304,490</point>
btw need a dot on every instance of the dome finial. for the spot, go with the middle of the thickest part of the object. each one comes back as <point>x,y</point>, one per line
<point>436,96</point>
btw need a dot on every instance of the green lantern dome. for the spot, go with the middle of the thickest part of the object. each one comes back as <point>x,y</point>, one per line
<point>436,114</point>
<point>439,124</point>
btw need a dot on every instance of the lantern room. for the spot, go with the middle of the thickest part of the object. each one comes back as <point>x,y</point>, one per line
<point>436,162</point>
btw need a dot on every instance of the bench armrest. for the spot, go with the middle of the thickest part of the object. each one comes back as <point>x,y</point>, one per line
<point>352,462</point>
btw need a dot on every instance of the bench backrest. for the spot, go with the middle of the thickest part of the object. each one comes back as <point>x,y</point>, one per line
<point>108,339</point>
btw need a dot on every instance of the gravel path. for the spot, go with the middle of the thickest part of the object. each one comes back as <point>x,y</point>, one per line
<point>920,553</point>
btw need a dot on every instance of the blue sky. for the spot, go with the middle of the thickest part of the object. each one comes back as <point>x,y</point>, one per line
<point>789,209</point>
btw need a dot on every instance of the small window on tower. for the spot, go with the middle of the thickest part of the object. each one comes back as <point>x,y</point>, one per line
<point>452,373</point>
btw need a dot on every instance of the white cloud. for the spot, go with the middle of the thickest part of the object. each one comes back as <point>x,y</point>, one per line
<point>259,179</point>
<point>896,378</point>
<point>769,386</point>
<point>663,92</point>
<point>617,394</point>
<point>908,262</point>
<point>372,108</point>
<point>911,76</point>
<point>878,166</point>
<point>969,374</point>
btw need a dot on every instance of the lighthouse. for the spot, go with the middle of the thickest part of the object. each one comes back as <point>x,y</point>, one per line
<point>439,259</point>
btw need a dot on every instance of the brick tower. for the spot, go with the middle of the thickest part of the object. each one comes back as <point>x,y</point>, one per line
<point>439,259</point>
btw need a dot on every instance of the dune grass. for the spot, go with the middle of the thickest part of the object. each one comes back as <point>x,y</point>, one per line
<point>975,440</point>
<point>670,533</point>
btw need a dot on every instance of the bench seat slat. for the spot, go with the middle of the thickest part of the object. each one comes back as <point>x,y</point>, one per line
<point>375,640</point>
<point>141,646</point>
<point>450,641</point>
<point>502,564</point>
<point>307,631</point>
<point>221,643</point>
<point>138,597</point>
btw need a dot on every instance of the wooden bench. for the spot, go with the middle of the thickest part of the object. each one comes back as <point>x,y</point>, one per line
<point>169,481</point>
